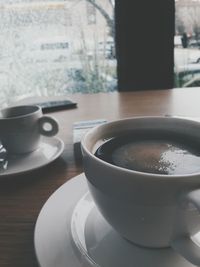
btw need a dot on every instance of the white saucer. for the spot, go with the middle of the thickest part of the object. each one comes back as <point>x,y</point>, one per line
<point>50,149</point>
<point>70,232</point>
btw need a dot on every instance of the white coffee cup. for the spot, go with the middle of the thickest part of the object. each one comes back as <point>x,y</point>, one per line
<point>22,126</point>
<point>150,210</point>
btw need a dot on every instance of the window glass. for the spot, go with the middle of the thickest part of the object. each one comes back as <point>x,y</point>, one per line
<point>56,47</point>
<point>187,43</point>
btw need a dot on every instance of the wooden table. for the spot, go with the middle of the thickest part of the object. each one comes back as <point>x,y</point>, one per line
<point>22,196</point>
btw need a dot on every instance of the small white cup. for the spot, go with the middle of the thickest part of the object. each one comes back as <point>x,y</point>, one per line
<point>22,126</point>
<point>151,210</point>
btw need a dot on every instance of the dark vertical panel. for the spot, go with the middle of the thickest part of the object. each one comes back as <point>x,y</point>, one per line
<point>144,44</point>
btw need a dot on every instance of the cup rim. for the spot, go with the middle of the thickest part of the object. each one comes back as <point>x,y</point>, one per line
<point>36,107</point>
<point>129,171</point>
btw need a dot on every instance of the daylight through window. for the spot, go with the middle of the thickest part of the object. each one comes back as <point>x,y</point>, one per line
<point>187,43</point>
<point>55,47</point>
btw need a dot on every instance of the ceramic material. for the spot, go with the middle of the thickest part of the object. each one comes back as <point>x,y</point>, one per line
<point>22,126</point>
<point>103,246</point>
<point>151,210</point>
<point>49,150</point>
<point>71,232</point>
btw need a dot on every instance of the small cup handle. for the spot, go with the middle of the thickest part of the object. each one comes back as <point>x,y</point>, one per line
<point>53,124</point>
<point>184,245</point>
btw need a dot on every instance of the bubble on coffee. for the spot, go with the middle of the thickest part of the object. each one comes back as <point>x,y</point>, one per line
<point>165,154</point>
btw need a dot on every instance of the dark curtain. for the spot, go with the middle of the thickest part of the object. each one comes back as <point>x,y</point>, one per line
<point>145,44</point>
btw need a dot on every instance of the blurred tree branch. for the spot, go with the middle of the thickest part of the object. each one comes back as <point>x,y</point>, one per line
<point>109,19</point>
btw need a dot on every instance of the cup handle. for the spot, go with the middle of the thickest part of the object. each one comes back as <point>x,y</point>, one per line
<point>184,245</point>
<point>53,126</point>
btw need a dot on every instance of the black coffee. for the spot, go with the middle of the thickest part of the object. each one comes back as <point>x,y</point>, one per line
<point>155,152</point>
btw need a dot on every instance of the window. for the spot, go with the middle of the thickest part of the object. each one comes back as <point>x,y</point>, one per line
<point>63,45</point>
<point>55,47</point>
<point>187,43</point>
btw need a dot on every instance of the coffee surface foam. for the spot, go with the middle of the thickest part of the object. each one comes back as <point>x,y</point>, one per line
<point>168,155</point>
<point>159,157</point>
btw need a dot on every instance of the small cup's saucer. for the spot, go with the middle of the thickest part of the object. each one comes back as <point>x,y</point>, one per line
<point>70,232</point>
<point>49,150</point>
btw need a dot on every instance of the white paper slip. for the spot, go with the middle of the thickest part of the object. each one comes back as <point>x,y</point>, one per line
<point>80,128</point>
